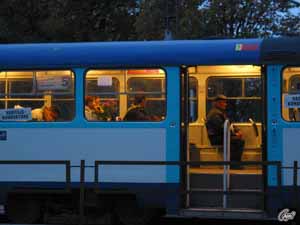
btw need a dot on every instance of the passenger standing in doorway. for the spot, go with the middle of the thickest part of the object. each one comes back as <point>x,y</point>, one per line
<point>215,129</point>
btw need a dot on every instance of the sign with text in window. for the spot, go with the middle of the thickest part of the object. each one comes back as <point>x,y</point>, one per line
<point>105,81</point>
<point>19,114</point>
<point>292,101</point>
<point>53,82</point>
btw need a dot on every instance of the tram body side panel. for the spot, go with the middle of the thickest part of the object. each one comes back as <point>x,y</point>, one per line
<point>290,153</point>
<point>90,144</point>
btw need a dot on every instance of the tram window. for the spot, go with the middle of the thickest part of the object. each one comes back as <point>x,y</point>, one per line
<point>107,95</point>
<point>291,94</point>
<point>20,86</point>
<point>228,87</point>
<point>153,89</point>
<point>193,99</point>
<point>117,90</point>
<point>2,88</point>
<point>253,87</point>
<point>42,96</point>
<point>244,96</point>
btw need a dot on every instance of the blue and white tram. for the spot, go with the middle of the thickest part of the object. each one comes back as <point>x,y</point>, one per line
<point>58,143</point>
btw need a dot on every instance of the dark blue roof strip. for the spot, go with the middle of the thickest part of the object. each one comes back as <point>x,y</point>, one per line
<point>126,54</point>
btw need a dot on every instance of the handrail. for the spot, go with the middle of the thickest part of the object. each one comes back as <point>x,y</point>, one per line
<point>67,163</point>
<point>226,153</point>
<point>184,164</point>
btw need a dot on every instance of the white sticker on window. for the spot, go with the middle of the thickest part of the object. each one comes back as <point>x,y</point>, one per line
<point>104,81</point>
<point>292,101</point>
<point>17,114</point>
<point>46,82</point>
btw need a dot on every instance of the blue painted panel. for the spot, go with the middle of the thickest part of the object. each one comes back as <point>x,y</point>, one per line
<point>173,122</point>
<point>120,54</point>
<point>274,120</point>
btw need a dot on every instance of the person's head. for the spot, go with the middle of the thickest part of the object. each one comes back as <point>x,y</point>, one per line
<point>140,100</point>
<point>90,101</point>
<point>50,114</point>
<point>97,100</point>
<point>221,102</point>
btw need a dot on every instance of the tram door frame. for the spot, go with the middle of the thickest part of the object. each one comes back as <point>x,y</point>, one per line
<point>184,133</point>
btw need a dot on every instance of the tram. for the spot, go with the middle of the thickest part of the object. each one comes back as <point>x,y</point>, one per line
<point>136,170</point>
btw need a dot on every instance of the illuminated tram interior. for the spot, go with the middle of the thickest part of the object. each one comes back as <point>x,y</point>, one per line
<point>241,84</point>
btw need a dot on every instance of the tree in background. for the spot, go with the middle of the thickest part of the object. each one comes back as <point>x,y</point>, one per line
<point>115,20</point>
<point>67,20</point>
<point>218,18</point>
<point>150,23</point>
<point>244,18</point>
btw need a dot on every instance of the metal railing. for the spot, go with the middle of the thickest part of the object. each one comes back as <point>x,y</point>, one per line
<point>181,165</point>
<point>67,164</point>
<point>278,165</point>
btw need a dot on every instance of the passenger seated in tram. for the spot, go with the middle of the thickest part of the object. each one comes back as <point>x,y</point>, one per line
<point>215,129</point>
<point>136,111</point>
<point>103,111</point>
<point>46,113</point>
<point>90,113</point>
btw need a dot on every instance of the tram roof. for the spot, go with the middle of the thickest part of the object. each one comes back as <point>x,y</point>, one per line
<point>150,53</point>
<point>281,51</point>
<point>130,54</point>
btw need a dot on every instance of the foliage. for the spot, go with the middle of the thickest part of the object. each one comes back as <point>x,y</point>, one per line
<point>115,20</point>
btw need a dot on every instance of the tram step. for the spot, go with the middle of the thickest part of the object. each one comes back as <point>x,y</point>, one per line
<point>203,154</point>
<point>237,181</point>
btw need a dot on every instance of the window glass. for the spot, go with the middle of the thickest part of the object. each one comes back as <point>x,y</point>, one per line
<point>153,89</point>
<point>39,96</point>
<point>2,88</point>
<point>244,97</point>
<point>228,87</point>
<point>193,97</point>
<point>291,94</point>
<point>253,87</point>
<point>93,88</point>
<point>102,96</point>
<point>125,95</point>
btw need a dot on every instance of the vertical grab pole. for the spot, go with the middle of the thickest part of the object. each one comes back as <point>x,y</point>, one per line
<point>226,155</point>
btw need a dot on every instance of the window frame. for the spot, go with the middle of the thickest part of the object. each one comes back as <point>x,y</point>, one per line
<point>124,74</point>
<point>35,92</point>
<point>282,80</point>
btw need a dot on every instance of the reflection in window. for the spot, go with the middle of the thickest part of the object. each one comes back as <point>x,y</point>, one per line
<point>42,95</point>
<point>244,97</point>
<point>291,94</point>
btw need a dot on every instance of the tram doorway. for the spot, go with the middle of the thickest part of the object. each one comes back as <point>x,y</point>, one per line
<point>212,185</point>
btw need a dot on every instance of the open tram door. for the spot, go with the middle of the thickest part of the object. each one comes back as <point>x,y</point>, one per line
<point>214,189</point>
